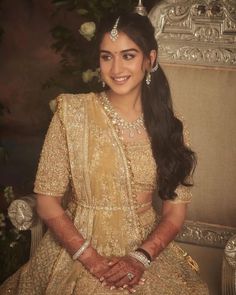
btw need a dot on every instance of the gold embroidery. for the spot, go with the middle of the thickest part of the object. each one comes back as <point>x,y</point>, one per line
<point>144,175</point>
<point>53,179</point>
<point>101,178</point>
<point>184,194</point>
<point>113,208</point>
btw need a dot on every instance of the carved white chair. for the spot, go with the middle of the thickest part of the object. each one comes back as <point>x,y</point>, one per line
<point>197,50</point>
<point>23,216</point>
<point>229,267</point>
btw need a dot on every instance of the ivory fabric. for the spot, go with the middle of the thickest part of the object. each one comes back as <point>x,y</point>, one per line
<point>82,151</point>
<point>205,96</point>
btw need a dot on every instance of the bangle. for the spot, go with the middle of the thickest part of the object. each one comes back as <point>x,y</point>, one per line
<point>81,250</point>
<point>141,250</point>
<point>141,258</point>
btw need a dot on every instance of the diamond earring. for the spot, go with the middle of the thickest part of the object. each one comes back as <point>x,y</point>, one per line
<point>148,78</point>
<point>155,68</point>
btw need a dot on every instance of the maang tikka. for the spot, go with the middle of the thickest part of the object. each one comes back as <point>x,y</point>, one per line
<point>114,32</point>
<point>140,9</point>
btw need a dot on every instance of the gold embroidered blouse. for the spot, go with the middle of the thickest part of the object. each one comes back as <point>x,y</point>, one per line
<point>82,150</point>
<point>55,147</point>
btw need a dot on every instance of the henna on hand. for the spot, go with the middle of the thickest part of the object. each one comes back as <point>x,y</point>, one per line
<point>117,275</point>
<point>158,240</point>
<point>70,238</point>
<point>96,264</point>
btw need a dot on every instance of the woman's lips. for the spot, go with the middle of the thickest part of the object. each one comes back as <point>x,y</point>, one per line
<point>121,79</point>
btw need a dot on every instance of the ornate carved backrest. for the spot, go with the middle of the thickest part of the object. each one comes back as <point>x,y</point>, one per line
<point>196,32</point>
<point>193,33</point>
<point>197,50</point>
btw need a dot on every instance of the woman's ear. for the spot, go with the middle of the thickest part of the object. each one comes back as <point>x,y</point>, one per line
<point>153,57</point>
<point>150,60</point>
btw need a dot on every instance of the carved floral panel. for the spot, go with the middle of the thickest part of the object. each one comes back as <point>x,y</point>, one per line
<point>195,32</point>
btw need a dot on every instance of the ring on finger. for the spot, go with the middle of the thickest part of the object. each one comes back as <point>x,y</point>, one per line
<point>130,276</point>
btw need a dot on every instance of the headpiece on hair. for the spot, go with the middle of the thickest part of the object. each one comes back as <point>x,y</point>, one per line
<point>114,32</point>
<point>140,9</point>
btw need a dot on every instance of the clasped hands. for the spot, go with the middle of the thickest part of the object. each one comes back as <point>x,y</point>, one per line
<point>118,272</point>
<point>124,272</point>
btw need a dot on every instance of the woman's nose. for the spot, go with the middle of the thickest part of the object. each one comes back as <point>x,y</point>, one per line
<point>117,66</point>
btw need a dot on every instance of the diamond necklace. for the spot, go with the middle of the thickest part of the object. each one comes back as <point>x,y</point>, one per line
<point>132,127</point>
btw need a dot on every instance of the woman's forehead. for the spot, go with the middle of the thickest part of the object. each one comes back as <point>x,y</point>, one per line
<point>123,42</point>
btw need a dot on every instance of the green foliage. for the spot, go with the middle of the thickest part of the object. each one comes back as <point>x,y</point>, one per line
<point>77,49</point>
<point>14,245</point>
<point>95,9</point>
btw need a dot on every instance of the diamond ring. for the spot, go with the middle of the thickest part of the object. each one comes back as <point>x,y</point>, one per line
<point>130,276</point>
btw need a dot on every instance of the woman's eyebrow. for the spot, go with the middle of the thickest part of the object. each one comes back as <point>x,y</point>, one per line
<point>122,51</point>
<point>130,49</point>
<point>104,51</point>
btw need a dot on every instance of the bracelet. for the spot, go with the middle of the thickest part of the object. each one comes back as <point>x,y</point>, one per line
<point>141,250</point>
<point>81,250</point>
<point>141,258</point>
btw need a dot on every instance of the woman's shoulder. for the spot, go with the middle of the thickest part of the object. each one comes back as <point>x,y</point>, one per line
<point>71,101</point>
<point>75,99</point>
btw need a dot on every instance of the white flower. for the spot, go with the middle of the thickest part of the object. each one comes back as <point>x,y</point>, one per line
<point>88,30</point>
<point>88,75</point>
<point>13,244</point>
<point>53,105</point>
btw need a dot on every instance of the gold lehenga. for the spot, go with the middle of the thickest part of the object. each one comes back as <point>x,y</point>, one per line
<point>82,150</point>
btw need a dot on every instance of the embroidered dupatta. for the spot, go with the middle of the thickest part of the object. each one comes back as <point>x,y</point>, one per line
<point>82,149</point>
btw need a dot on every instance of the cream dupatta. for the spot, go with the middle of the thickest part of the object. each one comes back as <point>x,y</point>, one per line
<point>101,206</point>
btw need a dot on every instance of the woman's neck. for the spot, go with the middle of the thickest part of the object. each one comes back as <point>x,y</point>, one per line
<point>126,104</point>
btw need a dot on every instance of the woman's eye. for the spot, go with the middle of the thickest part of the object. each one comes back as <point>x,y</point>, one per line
<point>128,56</point>
<point>105,57</point>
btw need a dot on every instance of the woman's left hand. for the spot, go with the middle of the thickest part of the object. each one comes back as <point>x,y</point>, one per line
<point>125,272</point>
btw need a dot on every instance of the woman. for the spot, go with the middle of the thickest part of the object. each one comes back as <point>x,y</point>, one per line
<point>114,149</point>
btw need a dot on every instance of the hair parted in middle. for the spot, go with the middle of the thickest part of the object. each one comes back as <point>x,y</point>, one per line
<point>175,161</point>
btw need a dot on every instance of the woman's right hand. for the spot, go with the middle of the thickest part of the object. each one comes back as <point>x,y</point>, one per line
<point>96,264</point>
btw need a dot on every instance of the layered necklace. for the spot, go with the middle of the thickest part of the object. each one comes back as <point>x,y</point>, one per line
<point>135,127</point>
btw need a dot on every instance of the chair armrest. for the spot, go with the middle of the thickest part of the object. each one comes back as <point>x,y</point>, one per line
<point>229,268</point>
<point>22,212</point>
<point>23,215</point>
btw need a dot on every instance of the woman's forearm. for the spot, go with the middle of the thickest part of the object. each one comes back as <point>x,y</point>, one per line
<point>170,224</point>
<point>62,227</point>
<point>65,232</point>
<point>158,240</point>
<point>52,213</point>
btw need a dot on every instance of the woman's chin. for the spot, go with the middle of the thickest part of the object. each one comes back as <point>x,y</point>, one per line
<point>123,89</point>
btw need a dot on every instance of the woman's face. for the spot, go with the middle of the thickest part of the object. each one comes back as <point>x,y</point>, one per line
<point>122,64</point>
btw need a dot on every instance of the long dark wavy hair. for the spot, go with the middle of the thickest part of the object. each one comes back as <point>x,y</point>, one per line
<point>175,161</point>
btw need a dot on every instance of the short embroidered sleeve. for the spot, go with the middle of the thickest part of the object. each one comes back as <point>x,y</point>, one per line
<point>53,172</point>
<point>183,194</point>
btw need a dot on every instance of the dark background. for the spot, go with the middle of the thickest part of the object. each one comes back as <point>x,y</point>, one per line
<point>27,62</point>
